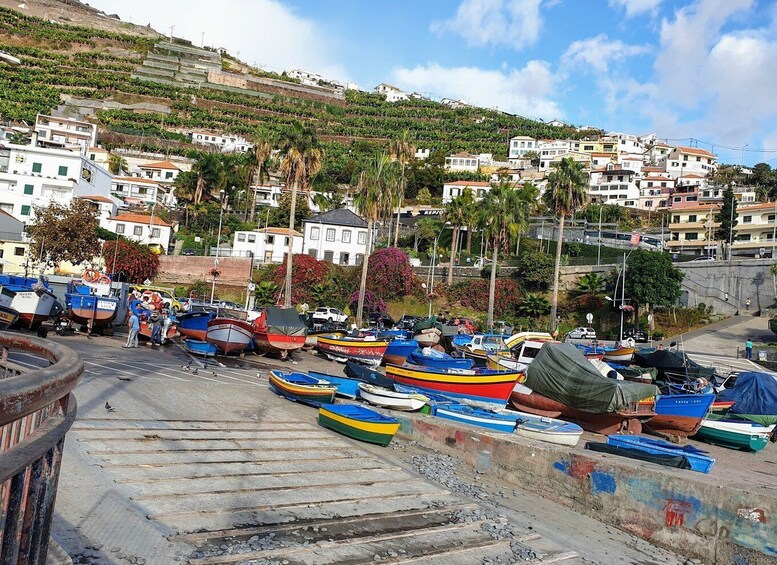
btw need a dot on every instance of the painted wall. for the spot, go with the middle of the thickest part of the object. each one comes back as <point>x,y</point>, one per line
<point>185,270</point>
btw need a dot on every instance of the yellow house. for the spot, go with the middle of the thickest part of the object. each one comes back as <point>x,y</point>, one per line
<point>693,229</point>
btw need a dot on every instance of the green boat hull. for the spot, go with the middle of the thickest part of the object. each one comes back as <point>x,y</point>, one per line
<point>733,440</point>
<point>355,433</point>
<point>773,325</point>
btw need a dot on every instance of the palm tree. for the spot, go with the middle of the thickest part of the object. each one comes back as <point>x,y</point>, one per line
<point>117,164</point>
<point>527,196</point>
<point>470,214</point>
<point>566,192</point>
<point>455,214</point>
<point>502,216</point>
<point>534,305</point>
<point>19,138</point>
<point>590,284</point>
<point>210,175</point>
<point>259,163</point>
<point>373,200</point>
<point>330,201</point>
<point>302,158</point>
<point>401,151</point>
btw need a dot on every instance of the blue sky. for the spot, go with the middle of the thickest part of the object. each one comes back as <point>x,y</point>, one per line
<point>700,69</point>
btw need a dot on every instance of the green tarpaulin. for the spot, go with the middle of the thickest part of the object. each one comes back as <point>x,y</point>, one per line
<point>285,321</point>
<point>562,373</point>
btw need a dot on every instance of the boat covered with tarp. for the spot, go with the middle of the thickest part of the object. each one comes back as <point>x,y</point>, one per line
<point>561,382</point>
<point>674,366</point>
<point>754,396</point>
<point>279,331</point>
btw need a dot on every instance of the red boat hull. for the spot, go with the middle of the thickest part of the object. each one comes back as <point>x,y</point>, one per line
<point>606,424</point>
<point>278,343</point>
<point>98,318</point>
<point>229,334</point>
<point>368,352</point>
<point>673,425</point>
<point>194,334</point>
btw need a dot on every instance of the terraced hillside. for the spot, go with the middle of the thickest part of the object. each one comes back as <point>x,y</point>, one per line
<point>65,64</point>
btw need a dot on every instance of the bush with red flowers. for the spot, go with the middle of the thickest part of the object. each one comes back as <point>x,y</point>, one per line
<point>306,272</point>
<point>390,275</point>
<point>474,294</point>
<point>129,261</point>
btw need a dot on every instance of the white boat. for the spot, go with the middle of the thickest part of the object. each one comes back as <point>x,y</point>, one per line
<point>545,429</point>
<point>229,334</point>
<point>386,398</point>
<point>34,306</point>
<point>428,337</point>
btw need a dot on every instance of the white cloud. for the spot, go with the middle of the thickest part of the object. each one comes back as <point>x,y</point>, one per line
<point>527,91</point>
<point>262,31</point>
<point>636,7</point>
<point>599,52</point>
<point>515,23</point>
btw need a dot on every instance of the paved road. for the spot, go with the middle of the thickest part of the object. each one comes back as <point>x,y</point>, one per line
<point>210,467</point>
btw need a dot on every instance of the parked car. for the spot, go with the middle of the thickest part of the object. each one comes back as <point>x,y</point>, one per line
<point>168,297</point>
<point>638,335</point>
<point>329,315</point>
<point>408,322</point>
<point>702,258</point>
<point>189,252</point>
<point>381,319</point>
<point>582,333</point>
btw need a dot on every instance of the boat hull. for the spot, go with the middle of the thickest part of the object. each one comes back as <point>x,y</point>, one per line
<point>278,343</point>
<point>348,388</point>
<point>198,347</point>
<point>377,432</point>
<point>408,402</point>
<point>311,394</point>
<point>680,414</point>
<point>362,351</point>
<point>548,430</point>
<point>438,362</point>
<point>99,311</point>
<point>8,317</point>
<point>621,355</point>
<point>489,390</point>
<point>194,324</point>
<point>698,459</point>
<point>479,418</point>
<point>398,351</point>
<point>33,307</point>
<point>539,405</point>
<point>229,334</point>
<point>737,434</point>
<point>428,337</point>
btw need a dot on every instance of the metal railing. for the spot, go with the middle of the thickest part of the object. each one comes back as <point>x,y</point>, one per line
<point>36,410</point>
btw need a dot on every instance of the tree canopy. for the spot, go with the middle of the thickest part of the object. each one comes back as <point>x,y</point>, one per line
<point>62,233</point>
<point>651,278</point>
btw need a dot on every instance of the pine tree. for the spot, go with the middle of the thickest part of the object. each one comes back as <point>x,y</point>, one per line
<point>727,217</point>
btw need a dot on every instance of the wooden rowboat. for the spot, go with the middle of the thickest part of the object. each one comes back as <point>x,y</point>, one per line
<point>619,354</point>
<point>735,434</point>
<point>500,422</point>
<point>368,351</point>
<point>358,422</point>
<point>229,334</point>
<point>347,388</point>
<point>299,387</point>
<point>387,398</point>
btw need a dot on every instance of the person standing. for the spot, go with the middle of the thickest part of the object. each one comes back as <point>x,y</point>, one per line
<point>166,323</point>
<point>747,304</point>
<point>156,330</point>
<point>134,328</point>
<point>748,349</point>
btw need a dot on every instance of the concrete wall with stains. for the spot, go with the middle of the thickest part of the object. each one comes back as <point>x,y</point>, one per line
<point>681,510</point>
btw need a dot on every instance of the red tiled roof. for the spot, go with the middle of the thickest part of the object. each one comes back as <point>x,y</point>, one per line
<point>696,151</point>
<point>136,179</point>
<point>762,206</point>
<point>280,231</point>
<point>140,219</point>
<point>97,198</point>
<point>693,176</point>
<point>467,183</point>
<point>159,165</point>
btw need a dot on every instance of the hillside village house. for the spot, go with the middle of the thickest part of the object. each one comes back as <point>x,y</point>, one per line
<point>451,190</point>
<point>266,245</point>
<point>105,207</point>
<point>520,145</point>
<point>142,228</point>
<point>693,230</point>
<point>615,186</point>
<point>65,133</point>
<point>462,162</point>
<point>549,150</point>
<point>267,194</point>
<point>13,248</point>
<point>657,152</point>
<point>755,230</point>
<point>338,236</point>
<point>99,156</point>
<point>685,161</point>
<point>226,143</point>
<point>36,176</point>
<point>140,191</point>
<point>392,93</point>
<point>163,171</point>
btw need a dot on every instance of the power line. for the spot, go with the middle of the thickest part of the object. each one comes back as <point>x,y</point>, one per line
<point>745,148</point>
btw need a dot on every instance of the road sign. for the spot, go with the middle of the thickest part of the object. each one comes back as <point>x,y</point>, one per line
<point>147,282</point>
<point>590,318</point>
<point>251,287</point>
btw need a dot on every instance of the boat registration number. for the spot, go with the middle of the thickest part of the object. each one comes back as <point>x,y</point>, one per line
<point>105,305</point>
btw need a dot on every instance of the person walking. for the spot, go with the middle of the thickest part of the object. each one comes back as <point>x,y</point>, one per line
<point>156,330</point>
<point>748,349</point>
<point>134,328</point>
<point>166,323</point>
<point>747,304</point>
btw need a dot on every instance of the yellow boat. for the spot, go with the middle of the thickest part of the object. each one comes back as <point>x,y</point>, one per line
<point>358,422</point>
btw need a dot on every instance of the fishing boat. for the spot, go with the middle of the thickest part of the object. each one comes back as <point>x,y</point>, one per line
<point>505,362</point>
<point>8,317</point>
<point>501,422</point>
<point>146,320</point>
<point>358,422</point>
<point>429,357</point>
<point>31,298</point>
<point>195,324</point>
<point>90,304</point>
<point>591,351</point>
<point>366,375</point>
<point>311,339</point>
<point>388,398</point>
<point>699,459</point>
<point>398,350</point>
<point>678,461</point>
<point>619,354</point>
<point>480,346</point>
<point>735,434</point>
<point>347,388</point>
<point>198,347</point>
<point>367,350</point>
<point>549,430</point>
<point>561,382</point>
<point>679,414</point>
<point>229,334</point>
<point>479,387</point>
<point>516,341</point>
<point>299,387</point>
<point>279,331</point>
<point>428,332</point>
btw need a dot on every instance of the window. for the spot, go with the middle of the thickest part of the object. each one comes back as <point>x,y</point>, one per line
<point>344,258</point>
<point>119,228</point>
<point>346,236</point>
<point>251,238</point>
<point>648,203</point>
<point>28,188</point>
<point>330,234</point>
<point>270,239</point>
<point>314,233</point>
<point>241,237</point>
<point>138,230</point>
<point>629,203</point>
<point>25,210</point>
<point>691,198</point>
<point>286,241</point>
<point>692,236</point>
<point>169,175</point>
<point>361,239</point>
<point>329,256</point>
<point>770,218</point>
<point>313,252</point>
<point>743,237</point>
<point>359,258</point>
<point>675,219</point>
<point>18,251</point>
<point>588,147</point>
<point>747,219</point>
<point>62,171</point>
<point>156,232</point>
<point>37,167</point>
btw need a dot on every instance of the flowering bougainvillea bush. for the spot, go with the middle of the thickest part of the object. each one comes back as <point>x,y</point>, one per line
<point>390,274</point>
<point>306,272</point>
<point>474,294</point>
<point>129,261</point>
<point>371,302</point>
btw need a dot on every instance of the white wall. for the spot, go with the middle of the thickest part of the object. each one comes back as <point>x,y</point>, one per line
<point>139,232</point>
<point>266,247</point>
<point>347,244</point>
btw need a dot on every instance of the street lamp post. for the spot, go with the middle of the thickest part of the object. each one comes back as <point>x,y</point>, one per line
<point>434,260</point>
<point>599,242</point>
<point>222,203</point>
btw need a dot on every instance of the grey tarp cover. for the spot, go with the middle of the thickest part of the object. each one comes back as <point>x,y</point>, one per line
<point>562,373</point>
<point>284,321</point>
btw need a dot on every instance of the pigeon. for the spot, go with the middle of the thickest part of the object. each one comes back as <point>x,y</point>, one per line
<point>124,378</point>
<point>109,408</point>
<point>194,371</point>
<point>214,374</point>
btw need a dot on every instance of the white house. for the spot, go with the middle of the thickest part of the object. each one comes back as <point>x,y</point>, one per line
<point>224,142</point>
<point>98,156</point>
<point>267,194</point>
<point>105,207</point>
<point>145,229</point>
<point>338,236</point>
<point>657,152</point>
<point>685,161</point>
<point>392,93</point>
<point>461,103</point>
<point>616,186</point>
<point>520,145</point>
<point>422,154</point>
<point>163,171</point>
<point>305,77</point>
<point>550,149</point>
<point>65,133</point>
<point>462,162</point>
<point>268,245</point>
<point>451,190</point>
<point>137,190</point>
<point>36,176</point>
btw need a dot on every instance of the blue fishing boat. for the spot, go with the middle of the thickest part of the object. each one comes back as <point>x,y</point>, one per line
<point>195,324</point>
<point>90,305</point>
<point>348,388</point>
<point>398,350</point>
<point>679,414</point>
<point>699,459</point>
<point>199,347</point>
<point>500,422</point>
<point>429,357</point>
